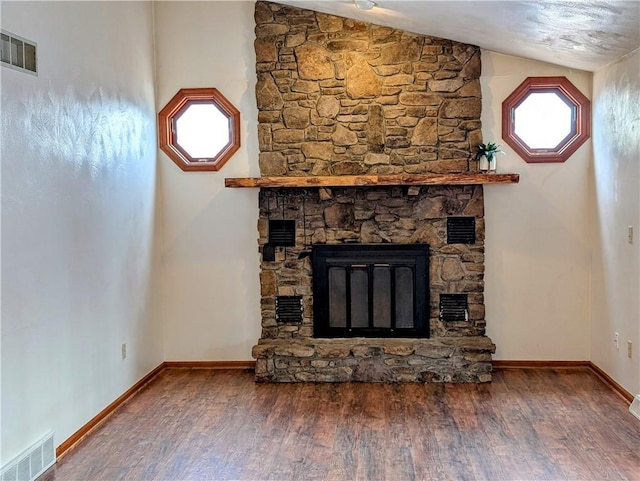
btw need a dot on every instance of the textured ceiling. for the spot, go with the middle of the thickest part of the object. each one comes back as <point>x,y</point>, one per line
<point>583,34</point>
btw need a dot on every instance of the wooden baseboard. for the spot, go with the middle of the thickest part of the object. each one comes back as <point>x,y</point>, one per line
<point>94,422</point>
<point>609,381</point>
<point>98,419</point>
<point>210,364</point>
<point>501,365</point>
<point>603,376</point>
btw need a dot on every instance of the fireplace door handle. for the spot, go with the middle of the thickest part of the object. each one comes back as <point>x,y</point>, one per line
<point>367,265</point>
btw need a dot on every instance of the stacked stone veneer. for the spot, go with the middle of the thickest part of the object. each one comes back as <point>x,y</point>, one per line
<point>341,97</point>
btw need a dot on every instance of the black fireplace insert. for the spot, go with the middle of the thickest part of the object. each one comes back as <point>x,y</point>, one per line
<point>371,290</point>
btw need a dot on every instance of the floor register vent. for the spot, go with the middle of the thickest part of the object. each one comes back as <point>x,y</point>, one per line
<point>32,462</point>
<point>635,406</point>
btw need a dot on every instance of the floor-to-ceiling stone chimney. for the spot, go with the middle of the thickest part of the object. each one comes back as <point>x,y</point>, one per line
<point>342,97</point>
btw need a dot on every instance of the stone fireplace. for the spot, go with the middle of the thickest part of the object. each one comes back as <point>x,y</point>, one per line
<point>338,97</point>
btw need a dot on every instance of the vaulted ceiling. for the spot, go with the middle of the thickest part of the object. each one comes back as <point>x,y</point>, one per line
<point>584,34</point>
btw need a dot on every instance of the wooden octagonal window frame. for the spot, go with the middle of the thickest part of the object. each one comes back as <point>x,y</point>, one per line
<point>580,119</point>
<point>167,119</point>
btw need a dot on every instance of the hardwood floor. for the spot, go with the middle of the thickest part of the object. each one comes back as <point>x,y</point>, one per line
<point>220,425</point>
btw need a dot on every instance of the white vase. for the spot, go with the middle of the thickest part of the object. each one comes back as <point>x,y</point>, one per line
<point>493,163</point>
<point>483,165</point>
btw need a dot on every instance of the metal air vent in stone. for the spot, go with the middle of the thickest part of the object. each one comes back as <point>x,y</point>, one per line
<point>454,307</point>
<point>289,308</point>
<point>461,230</point>
<point>282,233</point>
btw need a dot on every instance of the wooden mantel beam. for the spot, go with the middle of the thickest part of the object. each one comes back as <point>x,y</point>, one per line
<point>370,180</point>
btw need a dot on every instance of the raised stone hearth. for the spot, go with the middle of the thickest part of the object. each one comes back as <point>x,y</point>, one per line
<point>462,359</point>
<point>341,97</point>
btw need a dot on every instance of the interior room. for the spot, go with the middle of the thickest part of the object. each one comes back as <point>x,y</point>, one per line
<point>122,269</point>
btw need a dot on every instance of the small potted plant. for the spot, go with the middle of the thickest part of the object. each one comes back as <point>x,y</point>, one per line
<point>486,155</point>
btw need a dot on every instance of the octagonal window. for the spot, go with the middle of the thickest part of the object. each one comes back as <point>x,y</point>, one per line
<point>546,119</point>
<point>199,129</point>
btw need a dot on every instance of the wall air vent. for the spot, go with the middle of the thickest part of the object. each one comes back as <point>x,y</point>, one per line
<point>454,307</point>
<point>461,230</point>
<point>289,309</point>
<point>32,462</point>
<point>18,53</point>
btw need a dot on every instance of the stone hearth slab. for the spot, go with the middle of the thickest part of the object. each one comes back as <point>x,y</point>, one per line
<point>452,359</point>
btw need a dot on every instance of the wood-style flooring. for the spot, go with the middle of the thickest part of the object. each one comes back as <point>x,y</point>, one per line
<point>220,425</point>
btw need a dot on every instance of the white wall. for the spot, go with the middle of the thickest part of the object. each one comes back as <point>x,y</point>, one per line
<point>211,297</point>
<point>616,186</point>
<point>78,192</point>
<point>537,234</point>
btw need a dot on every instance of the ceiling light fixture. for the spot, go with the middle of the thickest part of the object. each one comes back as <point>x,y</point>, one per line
<point>364,4</point>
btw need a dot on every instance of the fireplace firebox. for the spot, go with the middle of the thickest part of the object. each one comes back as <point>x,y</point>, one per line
<point>371,290</point>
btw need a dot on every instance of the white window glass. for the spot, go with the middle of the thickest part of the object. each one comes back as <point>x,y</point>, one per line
<point>17,54</point>
<point>202,131</point>
<point>5,48</point>
<point>543,120</point>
